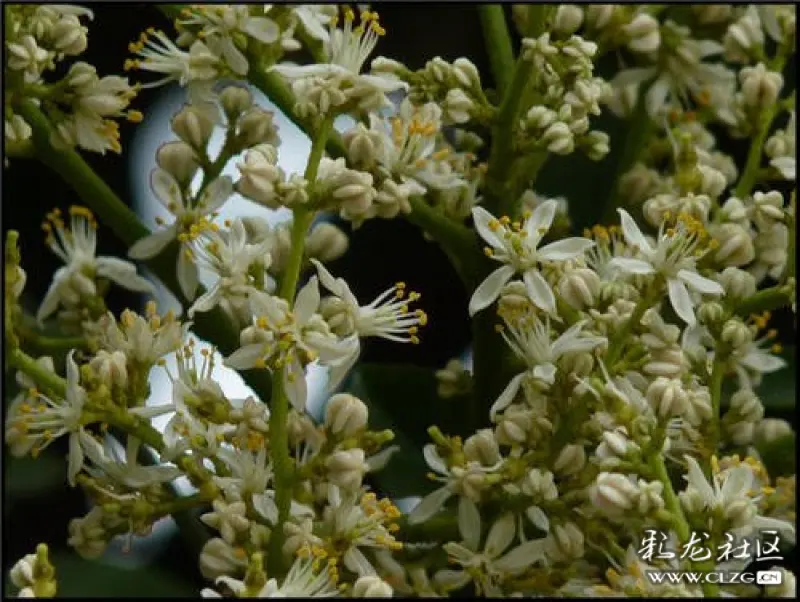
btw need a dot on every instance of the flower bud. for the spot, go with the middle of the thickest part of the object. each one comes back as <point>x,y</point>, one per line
<point>326,242</point>
<point>737,283</point>
<point>637,184</point>
<point>579,287</point>
<point>746,404</point>
<point>743,37</point>
<point>769,206</point>
<point>371,587</point>
<point>644,33</point>
<point>713,182</point>
<point>235,100</point>
<point>596,144</point>
<point>110,368</point>
<point>650,499</point>
<point>17,129</point>
<point>346,468</point>
<point>740,433</point>
<point>710,312</point>
<point>256,126</point>
<point>734,210</point>
<point>193,126</point>
<point>736,333</point>
<point>345,415</point>
<point>69,36</point>
<point>294,191</point>
<point>540,117</point>
<point>540,485</point>
<point>614,443</point>
<point>362,145</point>
<point>599,15</point>
<point>559,139</point>
<point>572,459</point>
<point>760,88</point>
<point>453,379</point>
<point>260,176</point>
<point>177,158</point>
<point>771,429</point>
<point>613,494</point>
<point>513,427</point>
<point>564,543</point>
<point>382,64</point>
<point>457,106</point>
<point>482,447</point>
<point>568,19</point>
<point>667,397</point>
<point>467,73</point>
<point>735,245</point>
<point>219,558</point>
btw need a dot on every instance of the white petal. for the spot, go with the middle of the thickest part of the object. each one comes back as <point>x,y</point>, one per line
<point>539,291</point>
<point>356,562</point>
<point>482,218</point>
<point>521,557</point>
<point>215,194</point>
<point>75,462</point>
<point>325,277</point>
<point>187,275</point>
<point>565,249</point>
<point>123,273</point>
<point>681,301</point>
<point>207,301</point>
<point>167,190</point>
<point>262,29</point>
<point>629,77</point>
<point>488,291</point>
<point>700,283</point>
<point>430,505</point>
<point>761,361</point>
<point>500,535</point>
<point>738,482</point>
<point>52,296</point>
<point>307,301</point>
<point>540,221</point>
<point>657,96</point>
<point>697,480</point>
<point>151,245</point>
<point>507,396</point>
<point>469,523</point>
<point>537,516</point>
<point>245,357</point>
<point>296,388</point>
<point>633,235</point>
<point>434,460</point>
<point>545,373</point>
<point>787,166</point>
<point>631,266</point>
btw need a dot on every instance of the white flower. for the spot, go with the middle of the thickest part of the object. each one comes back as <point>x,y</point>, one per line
<point>531,341</point>
<point>488,567</point>
<point>76,247</point>
<point>227,518</point>
<point>517,248</point>
<point>304,580</point>
<point>231,258</point>
<point>314,18</point>
<point>346,51</point>
<point>31,428</point>
<point>161,55</point>
<point>284,341</point>
<point>221,24</point>
<point>191,219</point>
<point>730,492</point>
<point>142,339</point>
<point>128,473</point>
<point>386,317</point>
<point>752,361</point>
<point>673,257</point>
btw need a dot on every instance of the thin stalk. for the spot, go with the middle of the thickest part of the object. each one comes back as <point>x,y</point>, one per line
<point>47,380</point>
<point>279,406</point>
<point>715,388</point>
<point>498,43</point>
<point>767,299</point>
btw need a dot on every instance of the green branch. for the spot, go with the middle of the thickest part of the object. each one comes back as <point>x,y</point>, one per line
<point>498,43</point>
<point>767,299</point>
<point>279,406</point>
<point>214,325</point>
<point>44,378</point>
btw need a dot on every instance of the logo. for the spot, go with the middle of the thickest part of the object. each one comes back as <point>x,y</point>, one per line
<point>769,577</point>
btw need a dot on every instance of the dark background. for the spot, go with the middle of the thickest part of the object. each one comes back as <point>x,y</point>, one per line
<point>381,253</point>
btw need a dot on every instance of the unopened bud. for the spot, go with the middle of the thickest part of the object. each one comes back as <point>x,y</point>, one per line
<point>735,245</point>
<point>260,176</point>
<point>771,429</point>
<point>564,543</point>
<point>760,88</point>
<point>326,242</point>
<point>737,283</point>
<point>667,397</point>
<point>736,333</point>
<point>371,587</point>
<point>457,106</point>
<point>193,126</point>
<point>613,494</point>
<point>482,447</point>
<point>178,159</point>
<point>345,415</point>
<point>568,19</point>
<point>579,287</point>
<point>572,459</point>
<point>644,33</point>
<point>235,100</point>
<point>256,126</point>
<point>346,468</point>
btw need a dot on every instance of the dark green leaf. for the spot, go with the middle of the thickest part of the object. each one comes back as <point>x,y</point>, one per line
<point>779,456</point>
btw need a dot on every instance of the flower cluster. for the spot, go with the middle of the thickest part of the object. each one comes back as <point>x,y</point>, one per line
<point>613,420</point>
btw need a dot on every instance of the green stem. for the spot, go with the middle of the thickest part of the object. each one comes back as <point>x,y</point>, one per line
<point>791,224</point>
<point>767,299</point>
<point>640,126</point>
<point>279,406</point>
<point>501,157</point>
<point>214,325</point>
<point>671,501</point>
<point>498,43</point>
<point>47,380</point>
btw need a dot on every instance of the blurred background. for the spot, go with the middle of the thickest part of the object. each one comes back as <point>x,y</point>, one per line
<point>37,504</point>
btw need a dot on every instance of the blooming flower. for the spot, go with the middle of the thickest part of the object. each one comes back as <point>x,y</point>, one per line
<point>233,260</point>
<point>386,317</point>
<point>36,424</point>
<point>531,342</point>
<point>516,246</point>
<point>673,257</point>
<point>346,50</point>
<point>304,579</point>
<point>488,567</point>
<point>128,473</point>
<point>76,247</point>
<point>191,220</point>
<point>160,55</point>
